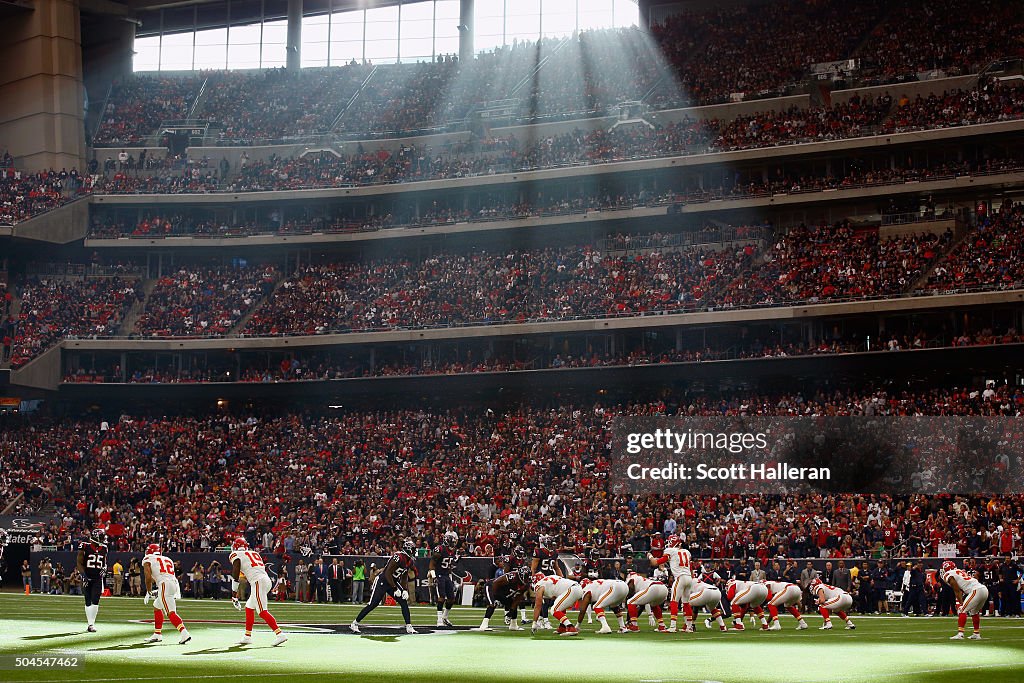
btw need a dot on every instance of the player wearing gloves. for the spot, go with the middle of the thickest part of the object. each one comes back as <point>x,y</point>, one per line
<point>92,565</point>
<point>443,561</point>
<point>248,567</point>
<point>831,599</point>
<point>163,589</point>
<point>391,581</point>
<point>649,592</point>
<point>971,597</point>
<point>563,592</point>
<point>603,594</point>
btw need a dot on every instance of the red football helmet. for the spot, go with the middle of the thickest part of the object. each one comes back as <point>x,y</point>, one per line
<point>674,541</point>
<point>815,582</point>
<point>153,549</point>
<point>239,544</point>
<point>948,566</point>
<point>538,577</point>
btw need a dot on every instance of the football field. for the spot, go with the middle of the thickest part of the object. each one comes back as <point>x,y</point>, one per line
<point>881,649</point>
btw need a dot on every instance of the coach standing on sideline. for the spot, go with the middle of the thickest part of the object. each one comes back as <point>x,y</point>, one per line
<point>841,577</point>
<point>806,576</point>
<point>335,575</point>
<point>319,573</point>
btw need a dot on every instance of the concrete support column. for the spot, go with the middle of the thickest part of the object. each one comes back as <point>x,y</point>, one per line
<point>42,120</point>
<point>466,29</point>
<point>294,35</point>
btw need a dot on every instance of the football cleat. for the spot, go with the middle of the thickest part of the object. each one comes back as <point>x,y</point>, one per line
<point>440,621</point>
<point>850,626</point>
<point>354,627</point>
<point>974,636</point>
<point>281,638</point>
<point>958,636</point>
<point>91,629</point>
<point>802,626</point>
<point>738,626</point>
<point>690,628</point>
<point>660,628</point>
<point>569,631</point>
<point>632,628</point>
<point>604,629</point>
<point>185,637</point>
<point>776,626</point>
<point>409,629</point>
<point>246,640</point>
<point>513,626</point>
<point>707,624</point>
<point>671,629</point>
<point>448,623</point>
<point>154,639</point>
<point>827,626</point>
<point>561,629</point>
<point>546,624</point>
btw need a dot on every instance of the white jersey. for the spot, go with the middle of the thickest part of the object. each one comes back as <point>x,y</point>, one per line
<point>555,586</point>
<point>252,566</point>
<point>160,567</point>
<point>962,579</point>
<point>678,561</point>
<point>831,593</point>
<point>606,592</point>
<point>640,583</point>
<point>776,587</point>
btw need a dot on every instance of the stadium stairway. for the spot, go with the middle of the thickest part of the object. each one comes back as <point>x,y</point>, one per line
<point>341,114</point>
<point>923,280</point>
<point>127,325</point>
<point>352,100</point>
<point>240,325</point>
<point>14,313</point>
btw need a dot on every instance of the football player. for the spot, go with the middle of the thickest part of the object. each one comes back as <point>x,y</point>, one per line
<point>971,596</point>
<point>92,565</point>
<point>744,596</point>
<point>644,591</point>
<point>677,558</point>
<point>391,581</point>
<point>603,594</point>
<point>545,561</point>
<point>788,596</point>
<point>704,593</point>
<point>831,599</point>
<point>507,591</point>
<point>442,566</point>
<point>163,589</point>
<point>563,593</point>
<point>248,567</point>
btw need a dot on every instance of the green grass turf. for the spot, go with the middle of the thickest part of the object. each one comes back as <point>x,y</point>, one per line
<point>881,649</point>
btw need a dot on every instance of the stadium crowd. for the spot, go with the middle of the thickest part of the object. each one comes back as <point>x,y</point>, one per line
<point>24,195</point>
<point>294,481</point>
<point>320,366</point>
<point>56,308</point>
<point>705,56</point>
<point>203,301</point>
<point>399,213</point>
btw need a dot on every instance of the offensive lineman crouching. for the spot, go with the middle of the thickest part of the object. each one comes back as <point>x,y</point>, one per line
<point>564,592</point>
<point>743,596</point>
<point>831,599</point>
<point>391,582</point>
<point>603,594</point>
<point>645,591</point>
